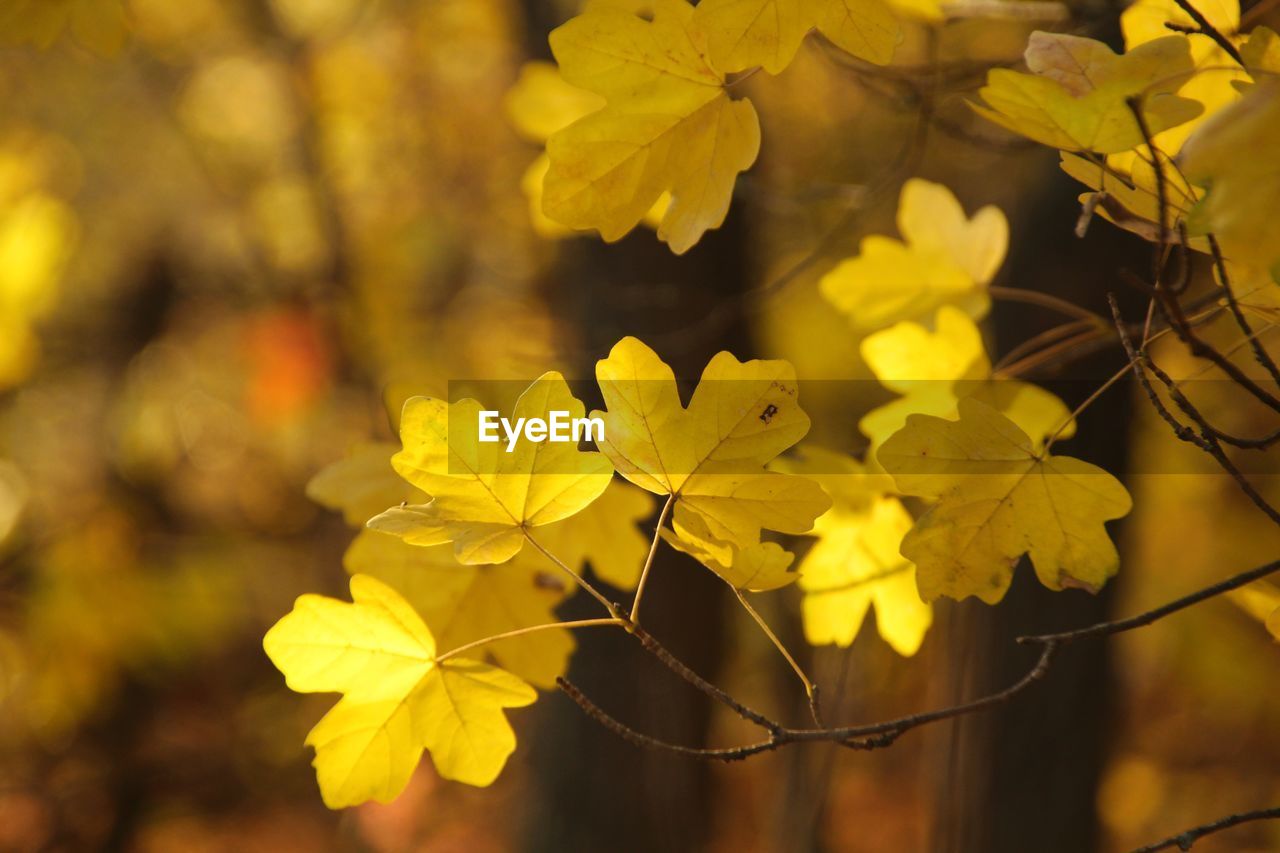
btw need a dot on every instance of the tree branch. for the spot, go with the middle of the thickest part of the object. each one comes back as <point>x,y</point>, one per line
<point>1185,839</point>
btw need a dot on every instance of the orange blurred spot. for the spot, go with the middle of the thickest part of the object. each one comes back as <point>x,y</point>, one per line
<point>290,366</point>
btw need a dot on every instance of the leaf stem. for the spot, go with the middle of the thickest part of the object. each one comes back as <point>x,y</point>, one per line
<point>1048,300</point>
<point>809,689</point>
<point>520,632</point>
<point>1089,401</point>
<point>648,563</point>
<point>577,578</point>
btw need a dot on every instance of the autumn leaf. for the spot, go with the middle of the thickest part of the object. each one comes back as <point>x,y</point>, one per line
<point>855,564</point>
<point>397,700</point>
<point>997,499</point>
<point>462,604</point>
<point>1076,96</point>
<point>756,567</point>
<point>1242,204</point>
<point>1126,186</point>
<point>944,258</point>
<point>1126,193</point>
<point>932,370</point>
<point>669,126</point>
<point>484,498</point>
<point>363,484</point>
<point>1213,85</point>
<point>539,104</point>
<point>711,456</point>
<point>1261,52</point>
<point>742,34</point>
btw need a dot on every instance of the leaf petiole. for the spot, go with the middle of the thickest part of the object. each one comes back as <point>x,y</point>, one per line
<point>520,632</point>
<point>648,563</point>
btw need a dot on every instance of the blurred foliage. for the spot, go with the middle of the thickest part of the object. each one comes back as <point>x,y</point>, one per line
<point>235,235</point>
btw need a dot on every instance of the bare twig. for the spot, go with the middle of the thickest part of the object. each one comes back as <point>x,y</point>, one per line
<point>1211,31</point>
<point>1188,837</point>
<point>882,734</point>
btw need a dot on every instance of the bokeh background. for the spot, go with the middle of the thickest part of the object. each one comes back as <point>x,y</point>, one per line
<point>235,235</point>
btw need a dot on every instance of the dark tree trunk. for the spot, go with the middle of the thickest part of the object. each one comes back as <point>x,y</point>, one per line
<point>1025,776</point>
<point>591,790</point>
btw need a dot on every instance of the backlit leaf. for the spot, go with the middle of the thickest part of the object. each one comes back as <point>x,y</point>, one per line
<point>669,126</point>
<point>944,258</point>
<point>396,700</point>
<point>483,498</point>
<point>712,454</point>
<point>997,499</point>
<point>742,34</point>
<point>1075,97</point>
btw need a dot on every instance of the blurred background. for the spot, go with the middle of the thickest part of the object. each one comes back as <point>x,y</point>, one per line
<point>236,234</point>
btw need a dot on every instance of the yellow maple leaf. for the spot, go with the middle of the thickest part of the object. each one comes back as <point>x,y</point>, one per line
<point>363,484</point>
<point>1129,197</point>
<point>1242,205</point>
<point>997,499</point>
<point>1212,84</point>
<point>1076,96</point>
<point>669,126</point>
<point>397,700</point>
<point>483,497</point>
<point>462,604</point>
<point>539,104</point>
<point>855,562</point>
<point>932,370</point>
<point>1261,52</point>
<point>1128,183</point>
<point>710,456</point>
<point>100,25</point>
<point>742,34</point>
<point>944,258</point>
<point>756,567</point>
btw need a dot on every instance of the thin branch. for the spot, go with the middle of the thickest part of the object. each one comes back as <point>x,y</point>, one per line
<point>1079,410</point>
<point>1143,619</point>
<point>1259,351</point>
<point>653,647</point>
<point>1211,31</point>
<point>882,734</point>
<point>810,690</point>
<point>1047,300</point>
<point>648,563</point>
<point>1187,838</point>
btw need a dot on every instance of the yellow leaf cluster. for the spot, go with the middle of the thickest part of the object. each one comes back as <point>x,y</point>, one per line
<point>932,370</point>
<point>1076,96</point>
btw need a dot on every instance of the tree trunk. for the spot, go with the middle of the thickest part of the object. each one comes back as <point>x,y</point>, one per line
<point>1025,776</point>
